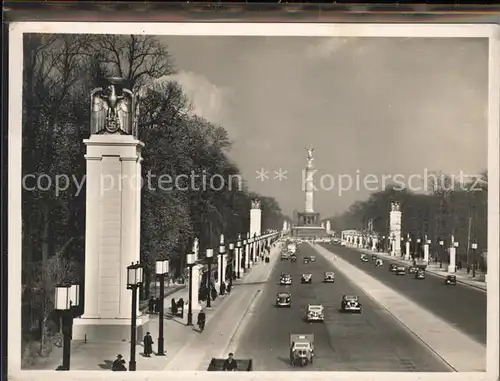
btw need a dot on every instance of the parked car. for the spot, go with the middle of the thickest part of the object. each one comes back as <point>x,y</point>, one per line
<point>450,280</point>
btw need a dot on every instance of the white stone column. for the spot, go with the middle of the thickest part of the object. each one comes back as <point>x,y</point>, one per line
<point>220,270</point>
<point>407,253</point>
<point>328,226</point>
<point>426,252</point>
<point>112,236</point>
<point>374,244</point>
<point>247,256</point>
<point>196,306</point>
<point>395,217</point>
<point>452,265</point>
<point>224,267</point>
<point>93,192</point>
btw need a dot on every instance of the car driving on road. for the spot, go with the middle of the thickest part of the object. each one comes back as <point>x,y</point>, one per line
<point>306,278</point>
<point>315,312</point>
<point>401,270</point>
<point>350,303</point>
<point>363,258</point>
<point>286,279</point>
<point>420,274</point>
<point>329,277</point>
<point>312,258</point>
<point>450,280</point>
<point>306,260</point>
<point>283,299</point>
<point>393,267</point>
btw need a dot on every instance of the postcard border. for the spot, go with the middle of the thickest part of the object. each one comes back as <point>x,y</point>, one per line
<point>16,31</point>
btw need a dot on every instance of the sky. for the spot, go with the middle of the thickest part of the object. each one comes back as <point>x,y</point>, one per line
<point>368,106</point>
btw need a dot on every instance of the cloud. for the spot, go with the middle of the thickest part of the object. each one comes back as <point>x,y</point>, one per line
<point>208,100</point>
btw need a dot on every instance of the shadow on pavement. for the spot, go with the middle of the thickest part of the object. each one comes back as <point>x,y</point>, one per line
<point>106,365</point>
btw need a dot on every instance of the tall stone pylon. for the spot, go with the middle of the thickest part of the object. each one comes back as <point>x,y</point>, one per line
<point>255,218</point>
<point>395,227</point>
<point>309,182</point>
<point>328,227</point>
<point>112,222</point>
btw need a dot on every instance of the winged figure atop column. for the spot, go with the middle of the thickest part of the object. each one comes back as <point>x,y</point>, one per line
<point>112,108</point>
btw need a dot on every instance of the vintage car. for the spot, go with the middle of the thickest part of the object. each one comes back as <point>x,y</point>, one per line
<point>412,269</point>
<point>315,312</point>
<point>301,349</point>
<point>329,277</point>
<point>284,256</point>
<point>343,243</point>
<point>450,280</point>
<point>420,274</point>
<point>363,258</point>
<point>283,299</point>
<point>293,258</point>
<point>312,258</point>
<point>374,257</point>
<point>401,270</point>
<point>350,303</point>
<point>306,278</point>
<point>379,262</point>
<point>393,267</point>
<point>286,279</point>
<point>306,260</point>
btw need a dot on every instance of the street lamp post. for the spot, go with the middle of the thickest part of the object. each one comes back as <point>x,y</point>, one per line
<point>191,259</point>
<point>441,253</point>
<point>238,256</point>
<point>135,275</point>
<point>67,300</point>
<point>245,254</point>
<point>222,251</point>
<point>474,248</point>
<point>162,269</point>
<point>231,261</point>
<point>254,249</point>
<point>209,255</point>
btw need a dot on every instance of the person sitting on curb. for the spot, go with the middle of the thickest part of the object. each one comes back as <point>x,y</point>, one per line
<point>118,364</point>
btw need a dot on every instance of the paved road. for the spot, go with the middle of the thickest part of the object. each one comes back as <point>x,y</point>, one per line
<point>464,307</point>
<point>372,341</point>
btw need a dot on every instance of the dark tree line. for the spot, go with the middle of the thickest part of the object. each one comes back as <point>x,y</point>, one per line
<point>59,73</point>
<point>449,207</point>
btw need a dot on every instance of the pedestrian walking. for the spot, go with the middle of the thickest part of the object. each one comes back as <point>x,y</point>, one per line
<point>151,305</point>
<point>158,303</point>
<point>119,364</point>
<point>148,345</point>
<point>173,307</point>
<point>180,308</point>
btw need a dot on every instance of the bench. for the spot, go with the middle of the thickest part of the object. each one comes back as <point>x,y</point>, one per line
<point>244,365</point>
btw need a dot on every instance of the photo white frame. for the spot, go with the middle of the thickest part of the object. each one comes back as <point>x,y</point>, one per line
<point>17,29</point>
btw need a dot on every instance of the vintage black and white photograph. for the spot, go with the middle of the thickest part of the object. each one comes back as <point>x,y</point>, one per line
<point>261,202</point>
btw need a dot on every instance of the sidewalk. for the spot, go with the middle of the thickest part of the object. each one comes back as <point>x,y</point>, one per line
<point>100,356</point>
<point>223,325</point>
<point>434,269</point>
